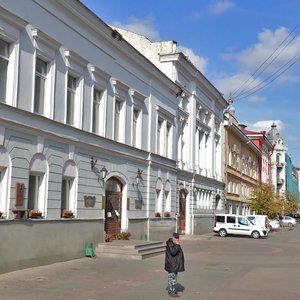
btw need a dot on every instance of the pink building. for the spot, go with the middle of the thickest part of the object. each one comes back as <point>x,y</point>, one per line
<point>263,143</point>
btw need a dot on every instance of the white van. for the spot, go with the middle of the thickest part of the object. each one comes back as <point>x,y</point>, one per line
<point>225,224</point>
<point>261,220</point>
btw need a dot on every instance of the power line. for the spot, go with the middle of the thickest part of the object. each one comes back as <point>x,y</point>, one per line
<point>252,77</point>
<point>270,77</point>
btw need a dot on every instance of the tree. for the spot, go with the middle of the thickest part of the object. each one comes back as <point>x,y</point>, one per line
<point>264,201</point>
<point>291,204</point>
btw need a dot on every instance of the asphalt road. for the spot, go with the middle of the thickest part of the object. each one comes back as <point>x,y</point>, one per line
<point>216,268</point>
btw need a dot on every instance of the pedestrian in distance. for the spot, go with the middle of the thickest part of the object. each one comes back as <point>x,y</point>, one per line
<point>174,263</point>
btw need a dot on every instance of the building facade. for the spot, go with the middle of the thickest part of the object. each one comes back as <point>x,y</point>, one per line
<point>95,138</point>
<point>265,146</point>
<point>200,134</point>
<point>241,162</point>
<point>292,179</point>
<point>278,165</point>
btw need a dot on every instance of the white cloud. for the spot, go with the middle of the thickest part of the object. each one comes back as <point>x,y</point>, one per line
<point>255,71</point>
<point>234,84</point>
<point>257,99</point>
<point>266,125</point>
<point>199,62</point>
<point>145,27</point>
<point>268,41</point>
<point>220,7</point>
<point>259,58</point>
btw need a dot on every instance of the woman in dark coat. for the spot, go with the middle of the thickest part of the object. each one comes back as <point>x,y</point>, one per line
<point>174,263</point>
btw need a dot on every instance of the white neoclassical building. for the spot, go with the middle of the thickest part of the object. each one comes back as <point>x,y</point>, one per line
<point>199,137</point>
<point>95,138</point>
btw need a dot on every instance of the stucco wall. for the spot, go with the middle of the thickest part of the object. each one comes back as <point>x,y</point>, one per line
<point>29,243</point>
<point>203,224</point>
<point>161,228</point>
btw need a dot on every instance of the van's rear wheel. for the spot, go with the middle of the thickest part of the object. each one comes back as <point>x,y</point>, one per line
<point>255,234</point>
<point>222,232</point>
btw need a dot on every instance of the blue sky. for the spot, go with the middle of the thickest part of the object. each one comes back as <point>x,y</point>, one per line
<point>249,48</point>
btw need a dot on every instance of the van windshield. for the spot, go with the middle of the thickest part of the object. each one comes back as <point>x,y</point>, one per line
<point>252,220</point>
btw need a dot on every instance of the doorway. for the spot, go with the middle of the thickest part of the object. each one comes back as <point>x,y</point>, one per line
<point>113,207</point>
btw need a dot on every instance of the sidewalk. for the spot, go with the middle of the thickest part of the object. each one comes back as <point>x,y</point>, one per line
<point>94,279</point>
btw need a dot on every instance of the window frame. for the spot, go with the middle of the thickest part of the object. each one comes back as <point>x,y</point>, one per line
<point>40,103</point>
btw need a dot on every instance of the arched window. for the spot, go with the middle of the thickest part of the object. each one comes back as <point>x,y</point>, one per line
<point>5,171</point>
<point>158,196</point>
<point>38,184</point>
<point>69,190</point>
<point>167,204</point>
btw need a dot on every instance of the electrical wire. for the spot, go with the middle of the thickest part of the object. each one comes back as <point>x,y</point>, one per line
<point>257,88</point>
<point>245,91</point>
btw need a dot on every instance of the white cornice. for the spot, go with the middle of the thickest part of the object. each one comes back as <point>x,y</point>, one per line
<point>12,19</point>
<point>76,58</point>
<point>44,38</point>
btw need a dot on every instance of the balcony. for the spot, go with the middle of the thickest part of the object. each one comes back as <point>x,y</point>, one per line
<point>280,181</point>
<point>280,164</point>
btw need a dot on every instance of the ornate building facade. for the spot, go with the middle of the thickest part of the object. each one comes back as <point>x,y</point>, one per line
<point>95,138</point>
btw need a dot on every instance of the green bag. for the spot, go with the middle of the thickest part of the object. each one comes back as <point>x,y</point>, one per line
<point>89,251</point>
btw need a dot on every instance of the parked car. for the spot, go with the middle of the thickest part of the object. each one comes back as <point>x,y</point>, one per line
<point>274,224</point>
<point>225,224</point>
<point>261,220</point>
<point>295,216</point>
<point>288,221</point>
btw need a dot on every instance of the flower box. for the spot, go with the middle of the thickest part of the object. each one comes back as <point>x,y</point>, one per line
<point>65,213</point>
<point>35,214</point>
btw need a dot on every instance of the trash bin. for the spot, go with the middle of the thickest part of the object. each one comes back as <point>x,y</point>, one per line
<point>89,250</point>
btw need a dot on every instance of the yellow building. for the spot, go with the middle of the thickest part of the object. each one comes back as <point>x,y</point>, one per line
<point>241,159</point>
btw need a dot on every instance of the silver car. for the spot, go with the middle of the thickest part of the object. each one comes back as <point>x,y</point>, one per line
<point>288,221</point>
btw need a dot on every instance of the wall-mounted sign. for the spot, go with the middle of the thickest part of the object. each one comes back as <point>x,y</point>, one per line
<point>89,201</point>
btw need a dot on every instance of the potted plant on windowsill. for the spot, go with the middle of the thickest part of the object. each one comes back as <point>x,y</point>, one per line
<point>34,214</point>
<point>167,214</point>
<point>157,214</point>
<point>66,213</point>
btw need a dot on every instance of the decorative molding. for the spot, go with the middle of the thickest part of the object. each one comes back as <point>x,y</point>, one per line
<point>38,35</point>
<point>70,55</point>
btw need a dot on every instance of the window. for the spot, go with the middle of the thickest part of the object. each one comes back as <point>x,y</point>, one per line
<point>96,110</point>
<point>158,142</point>
<point>40,85</point>
<point>65,193</point>
<point>69,190</point>
<point>168,140</point>
<point>167,200</point>
<point>38,182</point>
<point>220,219</point>
<point>230,219</point>
<point>243,221</point>
<point>35,181</point>
<point>118,107</point>
<point>71,91</point>
<point>4,55</point>
<point>136,128</point>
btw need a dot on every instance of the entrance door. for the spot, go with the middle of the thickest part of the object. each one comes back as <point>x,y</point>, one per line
<point>182,204</point>
<point>113,208</point>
